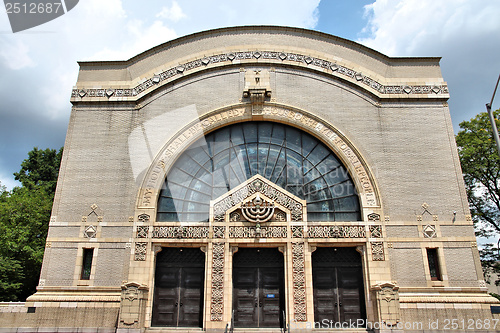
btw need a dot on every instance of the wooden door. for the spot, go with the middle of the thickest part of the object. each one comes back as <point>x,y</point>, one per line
<point>178,295</point>
<point>337,285</point>
<point>258,288</point>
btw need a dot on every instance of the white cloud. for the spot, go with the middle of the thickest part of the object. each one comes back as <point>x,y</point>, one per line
<point>15,54</point>
<point>403,27</point>
<point>141,37</point>
<point>174,13</point>
<point>465,33</point>
<point>39,67</point>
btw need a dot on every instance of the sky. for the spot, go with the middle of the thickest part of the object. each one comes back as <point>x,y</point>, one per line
<point>38,67</point>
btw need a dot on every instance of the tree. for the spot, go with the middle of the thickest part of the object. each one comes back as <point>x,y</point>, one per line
<point>40,169</point>
<point>481,170</point>
<point>24,218</point>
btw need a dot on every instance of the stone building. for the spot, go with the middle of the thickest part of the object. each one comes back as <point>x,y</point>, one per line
<point>260,177</point>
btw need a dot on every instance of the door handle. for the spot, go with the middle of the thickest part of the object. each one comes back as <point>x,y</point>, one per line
<point>176,304</point>
<point>181,304</point>
<point>340,304</point>
<point>260,304</point>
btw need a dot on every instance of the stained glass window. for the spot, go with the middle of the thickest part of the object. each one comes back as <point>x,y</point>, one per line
<point>288,157</point>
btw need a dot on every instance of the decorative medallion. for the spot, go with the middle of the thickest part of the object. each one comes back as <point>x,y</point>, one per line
<point>429,231</point>
<point>90,232</point>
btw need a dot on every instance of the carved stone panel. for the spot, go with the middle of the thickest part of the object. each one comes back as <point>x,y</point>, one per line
<point>217,302</point>
<point>387,295</point>
<point>140,251</point>
<point>377,251</point>
<point>268,195</point>
<point>132,304</point>
<point>299,282</point>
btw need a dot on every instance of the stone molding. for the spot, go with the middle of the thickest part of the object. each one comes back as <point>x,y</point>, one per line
<point>335,68</point>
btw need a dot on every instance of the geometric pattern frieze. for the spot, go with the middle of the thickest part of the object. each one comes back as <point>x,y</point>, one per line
<point>265,232</point>
<point>301,59</point>
<point>203,232</point>
<point>180,232</point>
<point>336,232</point>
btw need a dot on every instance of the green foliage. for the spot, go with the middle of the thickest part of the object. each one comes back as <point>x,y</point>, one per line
<point>481,169</point>
<point>40,169</point>
<point>24,216</point>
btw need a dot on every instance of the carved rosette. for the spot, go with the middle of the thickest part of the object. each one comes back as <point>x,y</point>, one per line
<point>299,282</point>
<point>217,302</point>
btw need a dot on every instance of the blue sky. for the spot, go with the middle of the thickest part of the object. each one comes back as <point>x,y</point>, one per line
<point>38,67</point>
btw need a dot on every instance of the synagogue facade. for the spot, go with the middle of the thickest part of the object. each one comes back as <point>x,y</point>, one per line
<point>260,177</point>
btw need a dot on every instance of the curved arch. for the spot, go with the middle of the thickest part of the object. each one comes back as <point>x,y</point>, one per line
<point>226,158</point>
<point>345,151</point>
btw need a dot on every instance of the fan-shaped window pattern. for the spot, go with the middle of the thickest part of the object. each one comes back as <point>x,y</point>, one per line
<point>290,158</point>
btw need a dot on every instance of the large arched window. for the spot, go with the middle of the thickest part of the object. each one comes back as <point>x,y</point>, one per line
<point>290,158</point>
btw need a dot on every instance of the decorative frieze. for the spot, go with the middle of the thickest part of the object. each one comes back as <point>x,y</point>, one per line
<point>217,302</point>
<point>180,232</point>
<point>322,65</point>
<point>265,232</point>
<point>334,231</point>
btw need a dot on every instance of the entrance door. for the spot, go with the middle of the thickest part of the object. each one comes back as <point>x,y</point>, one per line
<point>178,295</point>
<point>258,288</point>
<point>337,285</point>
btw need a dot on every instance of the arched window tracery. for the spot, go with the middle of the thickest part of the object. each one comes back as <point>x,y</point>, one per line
<point>287,156</point>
